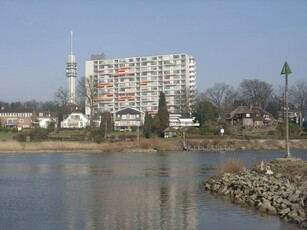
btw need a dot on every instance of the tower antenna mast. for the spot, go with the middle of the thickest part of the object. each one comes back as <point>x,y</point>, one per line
<point>71,42</point>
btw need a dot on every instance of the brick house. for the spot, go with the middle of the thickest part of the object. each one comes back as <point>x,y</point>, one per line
<point>17,118</point>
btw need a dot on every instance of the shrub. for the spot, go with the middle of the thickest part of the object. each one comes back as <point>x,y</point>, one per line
<point>14,130</point>
<point>145,144</point>
<point>98,138</point>
<point>51,127</point>
<point>232,165</point>
<point>36,134</point>
<point>272,132</point>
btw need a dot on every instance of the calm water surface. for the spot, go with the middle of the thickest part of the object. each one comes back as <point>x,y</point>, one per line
<point>122,191</point>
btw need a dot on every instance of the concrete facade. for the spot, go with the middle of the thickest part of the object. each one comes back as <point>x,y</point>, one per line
<point>135,82</point>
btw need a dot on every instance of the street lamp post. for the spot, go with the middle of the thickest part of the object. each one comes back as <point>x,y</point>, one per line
<point>285,71</point>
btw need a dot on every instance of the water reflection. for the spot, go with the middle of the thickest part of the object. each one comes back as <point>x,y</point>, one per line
<point>120,191</point>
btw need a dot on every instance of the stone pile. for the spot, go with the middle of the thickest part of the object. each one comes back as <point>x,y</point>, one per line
<point>281,193</point>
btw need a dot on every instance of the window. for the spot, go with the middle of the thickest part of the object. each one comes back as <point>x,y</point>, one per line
<point>21,120</point>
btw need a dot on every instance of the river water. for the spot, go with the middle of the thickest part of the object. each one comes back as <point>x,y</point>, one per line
<point>122,191</point>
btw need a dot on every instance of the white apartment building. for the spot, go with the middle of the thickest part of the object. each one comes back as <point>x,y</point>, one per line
<point>135,82</point>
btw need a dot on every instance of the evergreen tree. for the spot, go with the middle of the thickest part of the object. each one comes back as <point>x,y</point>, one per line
<point>164,119</point>
<point>156,125</point>
<point>163,115</point>
<point>162,101</point>
<point>147,125</point>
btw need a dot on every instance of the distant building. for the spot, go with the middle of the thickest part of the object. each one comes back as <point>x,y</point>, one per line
<point>44,119</point>
<point>182,120</point>
<point>250,117</point>
<point>135,82</point>
<point>170,132</point>
<point>127,119</point>
<point>16,118</point>
<point>75,120</point>
<point>293,116</point>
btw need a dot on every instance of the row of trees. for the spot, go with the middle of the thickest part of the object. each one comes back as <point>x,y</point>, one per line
<point>221,99</point>
<point>215,102</point>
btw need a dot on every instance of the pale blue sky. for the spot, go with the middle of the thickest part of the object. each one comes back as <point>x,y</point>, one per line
<point>231,40</point>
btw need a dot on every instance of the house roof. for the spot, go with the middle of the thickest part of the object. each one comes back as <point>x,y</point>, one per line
<point>47,114</point>
<point>261,112</point>
<point>240,110</point>
<point>258,113</point>
<point>181,115</point>
<point>17,110</point>
<point>128,111</point>
<point>170,129</point>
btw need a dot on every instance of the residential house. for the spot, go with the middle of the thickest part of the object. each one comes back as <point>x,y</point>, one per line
<point>127,118</point>
<point>250,117</point>
<point>16,118</point>
<point>294,117</point>
<point>75,120</point>
<point>170,132</point>
<point>182,120</point>
<point>45,118</point>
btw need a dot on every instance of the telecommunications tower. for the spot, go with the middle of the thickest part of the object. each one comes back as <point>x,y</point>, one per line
<point>71,72</point>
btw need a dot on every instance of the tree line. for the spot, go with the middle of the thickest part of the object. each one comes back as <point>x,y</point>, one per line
<point>221,99</point>
<point>211,104</point>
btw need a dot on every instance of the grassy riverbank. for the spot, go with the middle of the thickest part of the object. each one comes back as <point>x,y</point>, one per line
<point>160,144</point>
<point>59,146</point>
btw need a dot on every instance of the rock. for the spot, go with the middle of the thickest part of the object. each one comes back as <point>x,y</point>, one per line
<point>297,178</point>
<point>295,217</point>
<point>278,175</point>
<point>284,212</point>
<point>272,194</point>
<point>295,207</point>
<point>303,224</point>
<point>266,207</point>
<point>279,200</point>
<point>301,213</point>
<point>293,198</point>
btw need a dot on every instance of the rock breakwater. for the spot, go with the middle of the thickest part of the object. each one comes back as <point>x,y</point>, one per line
<point>276,188</point>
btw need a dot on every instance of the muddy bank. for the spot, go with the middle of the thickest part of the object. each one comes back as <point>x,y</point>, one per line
<point>276,188</point>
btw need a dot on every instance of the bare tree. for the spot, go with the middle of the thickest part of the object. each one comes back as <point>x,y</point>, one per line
<point>48,106</point>
<point>298,96</point>
<point>255,92</point>
<point>222,96</point>
<point>33,104</point>
<point>86,91</point>
<point>61,99</point>
<point>106,123</point>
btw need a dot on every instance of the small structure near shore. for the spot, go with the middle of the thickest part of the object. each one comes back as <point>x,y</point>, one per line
<point>283,192</point>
